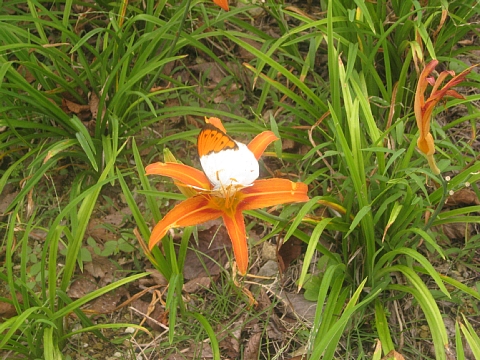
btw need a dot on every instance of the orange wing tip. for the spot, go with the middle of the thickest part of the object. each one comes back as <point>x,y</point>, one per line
<point>222,3</point>
<point>212,139</point>
<point>216,122</point>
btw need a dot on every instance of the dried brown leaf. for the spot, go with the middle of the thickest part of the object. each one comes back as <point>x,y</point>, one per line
<point>5,200</point>
<point>7,310</point>
<point>253,347</point>
<point>288,252</point>
<point>108,302</point>
<point>102,269</point>
<point>158,278</point>
<point>75,108</point>
<point>393,355</point>
<point>197,284</point>
<point>463,197</point>
<point>244,54</point>
<point>457,230</point>
<point>231,337</point>
<point>93,105</point>
<point>211,245</point>
<point>81,286</point>
<point>298,306</point>
<point>97,231</point>
<point>158,315</point>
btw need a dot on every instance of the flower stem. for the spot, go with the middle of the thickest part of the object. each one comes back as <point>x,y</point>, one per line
<point>440,204</point>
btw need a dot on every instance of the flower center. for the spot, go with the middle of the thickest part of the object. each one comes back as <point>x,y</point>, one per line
<point>226,199</point>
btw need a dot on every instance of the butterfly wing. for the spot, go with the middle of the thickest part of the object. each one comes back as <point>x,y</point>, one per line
<point>213,140</point>
<point>228,165</point>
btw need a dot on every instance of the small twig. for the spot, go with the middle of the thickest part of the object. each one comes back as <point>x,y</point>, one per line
<point>150,318</point>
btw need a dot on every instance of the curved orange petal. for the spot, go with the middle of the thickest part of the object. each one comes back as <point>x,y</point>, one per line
<point>222,3</point>
<point>184,173</point>
<point>193,211</point>
<point>236,230</point>
<point>269,192</point>
<point>423,123</point>
<point>258,145</point>
<point>426,144</point>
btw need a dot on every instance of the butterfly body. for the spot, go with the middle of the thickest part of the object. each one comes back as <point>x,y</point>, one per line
<point>228,164</point>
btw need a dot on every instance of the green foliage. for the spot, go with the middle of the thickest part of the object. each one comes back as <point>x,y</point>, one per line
<point>370,68</point>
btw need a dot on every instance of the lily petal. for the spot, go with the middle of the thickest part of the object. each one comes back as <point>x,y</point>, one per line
<point>193,211</point>
<point>258,145</point>
<point>270,192</point>
<point>236,230</point>
<point>183,173</point>
<point>422,122</point>
<point>426,144</point>
<point>222,3</point>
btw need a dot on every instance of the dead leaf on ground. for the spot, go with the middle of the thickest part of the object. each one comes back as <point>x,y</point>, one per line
<point>275,329</point>
<point>211,70</point>
<point>158,315</point>
<point>117,218</point>
<point>393,355</point>
<point>108,302</point>
<point>98,230</point>
<point>463,197</point>
<point>102,269</point>
<point>7,310</point>
<point>5,200</point>
<point>299,357</point>
<point>457,230</point>
<point>230,344</point>
<point>288,144</point>
<point>246,55</point>
<point>197,284</point>
<point>82,111</point>
<point>155,278</point>
<point>81,286</point>
<point>297,306</point>
<point>93,106</point>
<point>226,93</point>
<point>269,251</point>
<point>289,252</point>
<point>25,72</point>
<point>210,251</point>
<point>253,347</point>
<point>200,350</point>
<point>215,73</point>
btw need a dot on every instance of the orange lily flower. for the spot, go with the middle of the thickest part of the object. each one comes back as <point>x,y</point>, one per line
<point>207,204</point>
<point>222,3</point>
<point>424,108</point>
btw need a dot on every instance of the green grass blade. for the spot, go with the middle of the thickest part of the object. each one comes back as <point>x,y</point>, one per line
<point>312,244</point>
<point>211,334</point>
